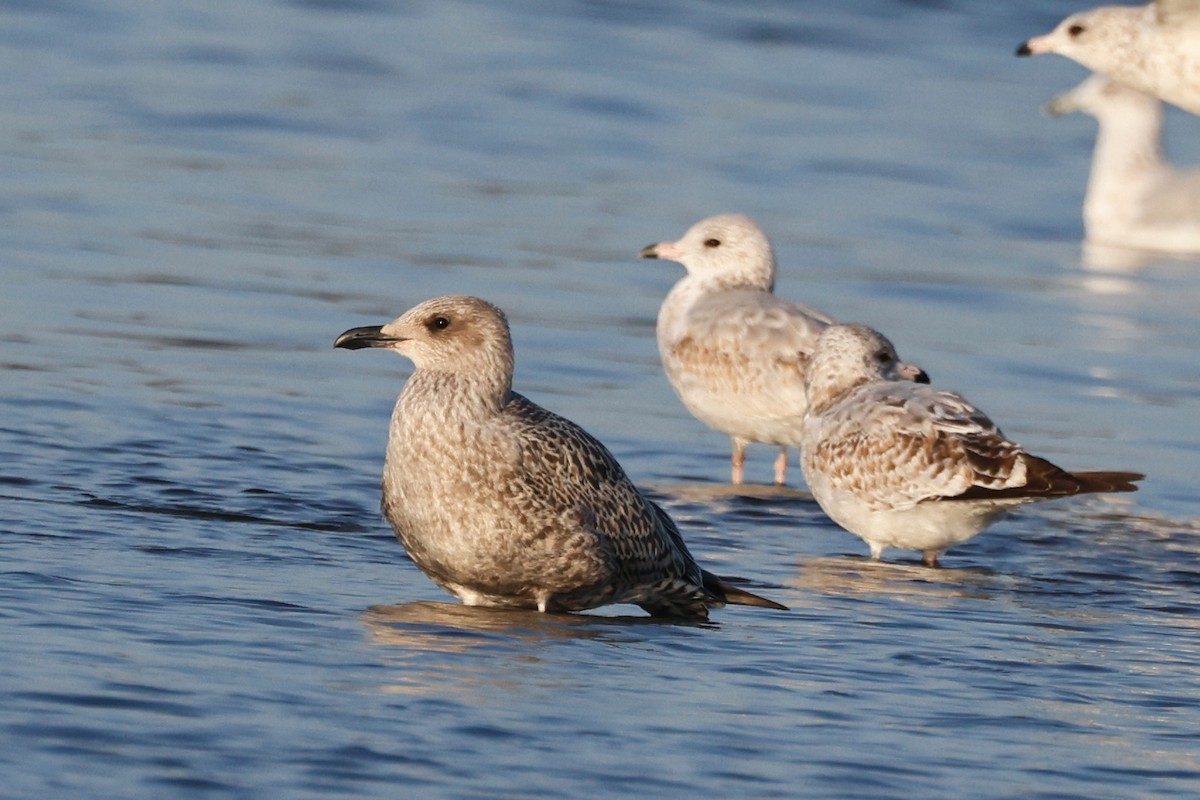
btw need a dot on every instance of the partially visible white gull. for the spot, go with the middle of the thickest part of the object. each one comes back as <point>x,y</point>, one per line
<point>903,465</point>
<point>503,503</point>
<point>1134,197</point>
<point>733,351</point>
<point>1154,48</point>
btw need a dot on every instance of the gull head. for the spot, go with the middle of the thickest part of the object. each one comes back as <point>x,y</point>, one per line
<point>850,355</point>
<point>729,247</point>
<point>454,333</point>
<point>1093,38</point>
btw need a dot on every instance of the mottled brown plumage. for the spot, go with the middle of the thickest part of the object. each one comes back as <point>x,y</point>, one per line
<point>909,466</point>
<point>504,503</point>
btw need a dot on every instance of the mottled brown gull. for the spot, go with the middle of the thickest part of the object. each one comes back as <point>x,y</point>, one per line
<point>1135,198</point>
<point>503,503</point>
<point>1154,48</point>
<point>903,465</point>
<point>734,352</point>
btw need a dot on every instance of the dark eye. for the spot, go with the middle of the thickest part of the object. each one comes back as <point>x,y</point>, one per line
<point>1075,30</point>
<point>438,323</point>
<point>712,242</point>
<point>882,358</point>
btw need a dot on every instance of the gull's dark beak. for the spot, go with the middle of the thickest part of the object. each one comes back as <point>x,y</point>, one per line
<point>369,336</point>
<point>911,372</point>
<point>1024,50</point>
<point>650,251</point>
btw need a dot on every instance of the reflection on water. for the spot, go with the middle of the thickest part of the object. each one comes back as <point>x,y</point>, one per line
<point>426,642</point>
<point>689,503</point>
<point>433,647</point>
<point>1116,258</point>
<point>1108,258</point>
<point>906,581</point>
<point>198,197</point>
<point>1107,284</point>
<point>456,627</point>
<point>723,495</point>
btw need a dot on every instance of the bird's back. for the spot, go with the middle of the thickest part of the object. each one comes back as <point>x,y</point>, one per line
<point>565,470</point>
<point>523,500</point>
<point>894,444</point>
<point>898,444</point>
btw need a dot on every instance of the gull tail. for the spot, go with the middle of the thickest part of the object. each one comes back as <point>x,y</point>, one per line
<point>1107,481</point>
<point>721,587</point>
<point>1044,480</point>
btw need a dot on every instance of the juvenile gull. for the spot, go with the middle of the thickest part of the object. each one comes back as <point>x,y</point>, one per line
<point>903,465</point>
<point>1134,198</point>
<point>503,503</point>
<point>734,352</point>
<point>1154,48</point>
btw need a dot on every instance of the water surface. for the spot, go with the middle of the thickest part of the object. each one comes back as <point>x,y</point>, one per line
<point>199,596</point>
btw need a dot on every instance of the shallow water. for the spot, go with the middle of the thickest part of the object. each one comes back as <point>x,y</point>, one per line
<point>199,595</point>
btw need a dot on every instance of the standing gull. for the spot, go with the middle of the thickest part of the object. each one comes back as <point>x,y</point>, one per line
<point>503,503</point>
<point>733,351</point>
<point>904,465</point>
<point>1154,48</point>
<point>1135,199</point>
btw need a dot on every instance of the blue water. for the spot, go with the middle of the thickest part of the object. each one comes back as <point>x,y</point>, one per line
<point>199,597</point>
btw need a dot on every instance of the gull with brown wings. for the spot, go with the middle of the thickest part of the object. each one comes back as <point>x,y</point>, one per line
<point>503,503</point>
<point>910,466</point>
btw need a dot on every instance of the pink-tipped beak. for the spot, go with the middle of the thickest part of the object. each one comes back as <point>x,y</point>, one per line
<point>1036,46</point>
<point>664,250</point>
<point>911,372</point>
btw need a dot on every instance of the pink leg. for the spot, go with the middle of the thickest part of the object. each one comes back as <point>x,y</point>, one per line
<point>929,557</point>
<point>739,461</point>
<point>781,465</point>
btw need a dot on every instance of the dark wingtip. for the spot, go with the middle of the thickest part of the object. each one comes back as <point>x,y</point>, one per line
<point>1102,482</point>
<point>1023,49</point>
<point>1045,480</point>
<point>737,596</point>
